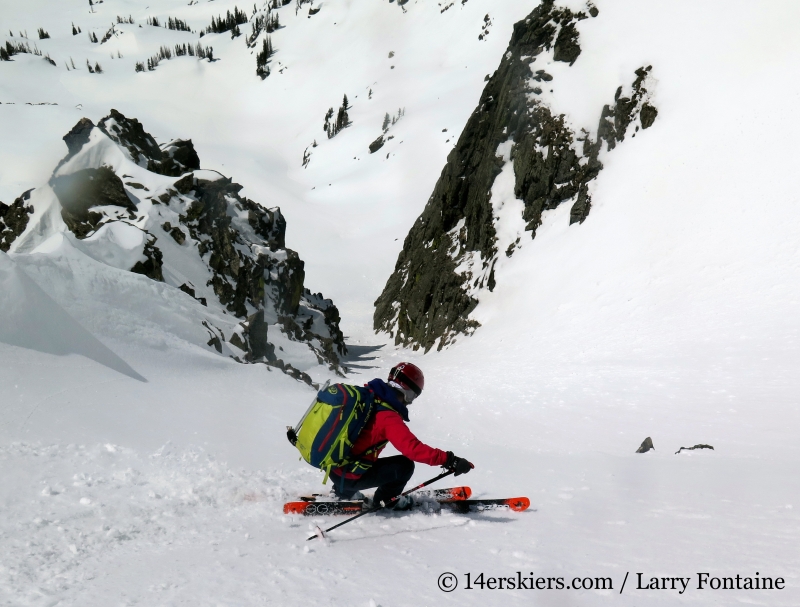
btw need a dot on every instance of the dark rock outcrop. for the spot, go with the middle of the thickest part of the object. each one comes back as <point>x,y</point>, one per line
<point>13,220</point>
<point>77,137</point>
<point>130,134</point>
<point>615,119</point>
<point>173,159</point>
<point>189,290</point>
<point>376,145</point>
<point>646,445</point>
<point>185,184</point>
<point>239,279</point>
<point>566,47</point>
<point>80,191</point>
<point>429,297</point>
<point>701,446</point>
<point>580,210</point>
<point>303,329</point>
<point>151,266</point>
<point>244,247</point>
<point>176,233</point>
<point>256,331</point>
<point>177,157</point>
<point>648,115</point>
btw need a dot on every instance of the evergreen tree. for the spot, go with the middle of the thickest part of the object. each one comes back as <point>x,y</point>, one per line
<point>342,119</point>
<point>220,24</point>
<point>262,58</point>
<point>273,23</point>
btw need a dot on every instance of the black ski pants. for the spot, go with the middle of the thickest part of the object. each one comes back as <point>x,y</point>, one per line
<point>389,475</point>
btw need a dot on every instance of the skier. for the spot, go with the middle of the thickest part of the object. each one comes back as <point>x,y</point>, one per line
<point>388,425</point>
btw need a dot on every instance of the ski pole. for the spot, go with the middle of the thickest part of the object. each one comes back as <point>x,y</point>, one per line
<point>391,501</point>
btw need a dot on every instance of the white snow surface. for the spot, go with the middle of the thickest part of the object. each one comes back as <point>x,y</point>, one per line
<point>671,312</point>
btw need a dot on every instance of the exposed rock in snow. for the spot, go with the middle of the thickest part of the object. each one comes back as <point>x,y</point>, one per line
<point>77,137</point>
<point>376,145</point>
<point>151,265</point>
<point>13,220</point>
<point>693,448</point>
<point>646,445</point>
<point>130,134</point>
<point>177,157</point>
<point>174,158</point>
<point>117,193</point>
<point>450,252</point>
<point>616,119</point>
<point>82,190</point>
<point>566,47</point>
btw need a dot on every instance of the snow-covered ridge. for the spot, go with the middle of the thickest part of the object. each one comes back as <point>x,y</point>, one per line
<point>124,202</point>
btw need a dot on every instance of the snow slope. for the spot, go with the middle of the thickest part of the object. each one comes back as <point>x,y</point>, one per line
<point>671,312</point>
<point>33,321</point>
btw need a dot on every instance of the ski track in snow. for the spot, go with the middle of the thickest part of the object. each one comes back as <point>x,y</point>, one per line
<point>102,524</point>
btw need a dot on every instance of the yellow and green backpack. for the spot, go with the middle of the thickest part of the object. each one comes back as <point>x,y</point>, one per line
<point>326,433</point>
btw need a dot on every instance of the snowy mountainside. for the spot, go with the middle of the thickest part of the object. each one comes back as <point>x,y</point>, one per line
<point>670,312</point>
<point>115,199</point>
<point>263,127</point>
<point>450,254</point>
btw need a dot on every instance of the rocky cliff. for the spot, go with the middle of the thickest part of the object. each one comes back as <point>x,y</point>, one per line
<point>450,252</point>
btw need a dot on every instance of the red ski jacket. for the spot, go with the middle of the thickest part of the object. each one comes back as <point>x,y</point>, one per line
<point>389,426</point>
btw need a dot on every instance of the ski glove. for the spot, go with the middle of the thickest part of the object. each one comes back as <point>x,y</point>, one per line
<point>457,464</point>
